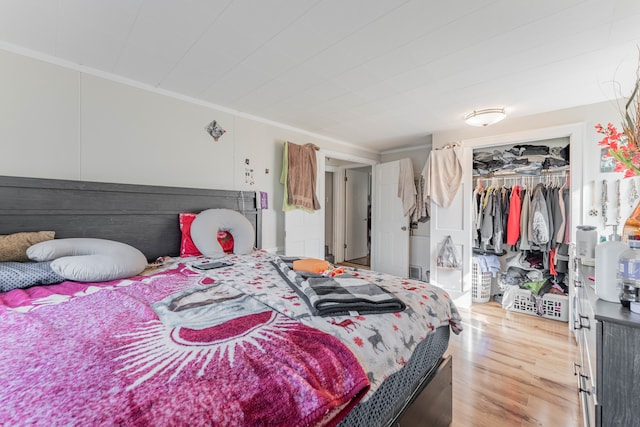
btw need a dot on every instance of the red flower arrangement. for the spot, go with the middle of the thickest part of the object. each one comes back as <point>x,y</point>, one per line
<point>625,154</point>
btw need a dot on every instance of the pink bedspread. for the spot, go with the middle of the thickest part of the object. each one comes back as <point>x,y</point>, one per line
<point>100,355</point>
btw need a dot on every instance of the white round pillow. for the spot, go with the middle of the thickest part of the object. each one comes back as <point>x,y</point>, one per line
<point>205,227</point>
<point>88,259</point>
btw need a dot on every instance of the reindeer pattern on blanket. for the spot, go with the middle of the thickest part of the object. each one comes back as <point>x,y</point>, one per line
<point>396,334</point>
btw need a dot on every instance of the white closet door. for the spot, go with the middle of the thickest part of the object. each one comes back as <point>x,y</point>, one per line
<point>454,221</point>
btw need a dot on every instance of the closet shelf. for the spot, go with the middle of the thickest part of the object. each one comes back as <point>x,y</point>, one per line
<point>544,172</point>
<point>478,251</point>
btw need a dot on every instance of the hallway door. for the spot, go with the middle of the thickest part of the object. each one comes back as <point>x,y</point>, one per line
<point>357,213</point>
<point>389,226</point>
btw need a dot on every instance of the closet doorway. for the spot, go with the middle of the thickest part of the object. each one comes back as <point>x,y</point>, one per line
<point>456,220</point>
<point>347,213</point>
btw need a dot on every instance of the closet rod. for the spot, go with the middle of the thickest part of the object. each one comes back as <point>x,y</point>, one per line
<point>551,177</point>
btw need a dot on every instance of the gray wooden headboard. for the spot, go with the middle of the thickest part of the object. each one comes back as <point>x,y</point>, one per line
<point>143,216</point>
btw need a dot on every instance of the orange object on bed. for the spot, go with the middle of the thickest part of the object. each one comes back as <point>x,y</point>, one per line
<point>311,265</point>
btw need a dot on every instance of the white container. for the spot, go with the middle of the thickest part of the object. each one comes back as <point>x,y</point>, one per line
<point>554,306</point>
<point>607,256</point>
<point>480,282</point>
<point>629,272</point>
<point>586,241</point>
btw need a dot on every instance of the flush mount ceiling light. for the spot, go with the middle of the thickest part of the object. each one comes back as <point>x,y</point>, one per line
<point>485,117</point>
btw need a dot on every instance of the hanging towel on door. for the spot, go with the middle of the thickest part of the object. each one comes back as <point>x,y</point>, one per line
<point>443,174</point>
<point>407,187</point>
<point>300,176</point>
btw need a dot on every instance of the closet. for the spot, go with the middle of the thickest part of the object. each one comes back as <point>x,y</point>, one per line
<point>456,220</point>
<point>521,215</point>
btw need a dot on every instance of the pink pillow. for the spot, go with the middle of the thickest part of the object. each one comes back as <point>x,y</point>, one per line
<point>187,248</point>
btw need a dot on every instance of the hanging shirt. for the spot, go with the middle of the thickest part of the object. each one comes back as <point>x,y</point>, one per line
<point>539,218</point>
<point>506,202</point>
<point>566,196</point>
<point>422,212</point>
<point>475,216</point>
<point>481,197</point>
<point>550,199</point>
<point>498,231</point>
<point>443,175</point>
<point>407,187</point>
<point>563,216</point>
<point>524,221</point>
<point>513,221</point>
<point>486,228</point>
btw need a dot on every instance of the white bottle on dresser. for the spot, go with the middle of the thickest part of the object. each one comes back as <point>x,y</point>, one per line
<point>607,254</point>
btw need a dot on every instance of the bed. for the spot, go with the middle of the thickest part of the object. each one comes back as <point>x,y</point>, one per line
<point>116,353</point>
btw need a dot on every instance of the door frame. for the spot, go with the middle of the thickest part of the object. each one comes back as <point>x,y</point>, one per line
<point>339,195</point>
<point>337,248</point>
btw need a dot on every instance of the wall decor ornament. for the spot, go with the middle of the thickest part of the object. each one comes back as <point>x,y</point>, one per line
<point>215,130</point>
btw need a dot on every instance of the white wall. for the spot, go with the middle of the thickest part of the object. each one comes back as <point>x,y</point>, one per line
<point>130,135</point>
<point>418,155</point>
<point>70,123</point>
<point>39,119</point>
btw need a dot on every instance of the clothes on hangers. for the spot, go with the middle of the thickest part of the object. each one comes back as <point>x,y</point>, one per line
<point>527,220</point>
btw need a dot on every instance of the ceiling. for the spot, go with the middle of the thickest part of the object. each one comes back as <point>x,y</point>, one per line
<point>381,74</point>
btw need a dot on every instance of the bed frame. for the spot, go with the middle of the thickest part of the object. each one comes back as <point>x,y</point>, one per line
<point>143,216</point>
<point>146,217</point>
<point>432,402</point>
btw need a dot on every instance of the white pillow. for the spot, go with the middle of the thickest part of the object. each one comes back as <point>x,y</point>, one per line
<point>88,259</point>
<point>205,227</point>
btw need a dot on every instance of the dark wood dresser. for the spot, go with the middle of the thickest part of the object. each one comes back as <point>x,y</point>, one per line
<point>608,365</point>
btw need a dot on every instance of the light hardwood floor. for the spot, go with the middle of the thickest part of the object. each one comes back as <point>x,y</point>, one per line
<point>361,263</point>
<point>513,369</point>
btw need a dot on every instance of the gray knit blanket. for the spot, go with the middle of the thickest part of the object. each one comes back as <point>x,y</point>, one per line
<point>344,294</point>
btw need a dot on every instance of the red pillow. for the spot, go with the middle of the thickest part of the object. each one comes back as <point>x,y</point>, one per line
<point>226,241</point>
<point>188,248</point>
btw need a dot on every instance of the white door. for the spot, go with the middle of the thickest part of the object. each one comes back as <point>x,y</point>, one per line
<point>389,226</point>
<point>356,224</point>
<point>454,221</point>
<point>304,231</point>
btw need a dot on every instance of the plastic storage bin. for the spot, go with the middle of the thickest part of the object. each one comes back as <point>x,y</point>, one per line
<point>480,283</point>
<point>554,306</point>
